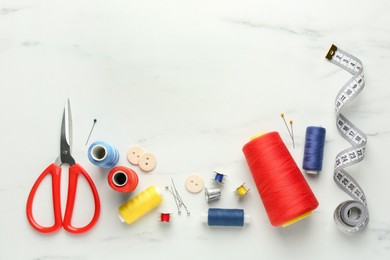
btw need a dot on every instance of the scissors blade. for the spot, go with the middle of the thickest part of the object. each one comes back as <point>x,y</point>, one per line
<point>66,135</point>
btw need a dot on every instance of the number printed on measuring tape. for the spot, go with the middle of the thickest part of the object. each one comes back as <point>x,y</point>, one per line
<point>352,215</point>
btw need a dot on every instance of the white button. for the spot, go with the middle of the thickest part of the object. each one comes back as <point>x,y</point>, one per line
<point>194,183</point>
<point>134,153</point>
<point>147,162</point>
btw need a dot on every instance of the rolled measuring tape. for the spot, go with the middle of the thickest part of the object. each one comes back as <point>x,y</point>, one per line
<point>122,179</point>
<point>352,215</point>
<point>103,154</point>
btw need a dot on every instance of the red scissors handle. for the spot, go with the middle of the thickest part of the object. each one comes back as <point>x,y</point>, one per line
<point>74,171</point>
<point>55,172</point>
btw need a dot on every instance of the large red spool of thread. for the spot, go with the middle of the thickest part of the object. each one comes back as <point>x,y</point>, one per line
<point>284,191</point>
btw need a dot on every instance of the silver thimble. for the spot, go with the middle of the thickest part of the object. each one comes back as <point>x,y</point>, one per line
<point>212,194</point>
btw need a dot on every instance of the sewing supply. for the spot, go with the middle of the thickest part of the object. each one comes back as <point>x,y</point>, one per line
<point>284,191</point>
<point>147,162</point>
<point>134,153</point>
<point>103,154</point>
<point>212,194</point>
<point>93,126</point>
<point>219,177</point>
<point>139,205</point>
<point>122,179</point>
<point>179,199</point>
<point>314,149</point>
<point>54,170</point>
<point>290,132</point>
<point>241,191</point>
<point>352,215</point>
<point>194,183</point>
<point>226,217</point>
<point>165,217</point>
<point>175,199</point>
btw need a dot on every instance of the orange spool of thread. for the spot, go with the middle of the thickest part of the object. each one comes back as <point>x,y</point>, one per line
<point>284,191</point>
<point>122,179</point>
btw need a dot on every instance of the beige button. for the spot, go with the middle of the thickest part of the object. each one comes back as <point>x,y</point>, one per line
<point>134,153</point>
<point>147,162</point>
<point>194,183</point>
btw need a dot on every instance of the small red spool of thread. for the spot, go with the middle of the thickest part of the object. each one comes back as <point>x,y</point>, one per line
<point>122,179</point>
<point>165,217</point>
<point>284,191</point>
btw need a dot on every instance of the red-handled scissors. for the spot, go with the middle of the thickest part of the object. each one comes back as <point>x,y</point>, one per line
<point>54,169</point>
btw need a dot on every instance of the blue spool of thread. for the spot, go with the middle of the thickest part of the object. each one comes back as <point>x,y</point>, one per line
<point>219,177</point>
<point>227,217</point>
<point>314,149</point>
<point>103,154</point>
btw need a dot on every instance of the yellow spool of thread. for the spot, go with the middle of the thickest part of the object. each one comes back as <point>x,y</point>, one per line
<point>242,191</point>
<point>139,205</point>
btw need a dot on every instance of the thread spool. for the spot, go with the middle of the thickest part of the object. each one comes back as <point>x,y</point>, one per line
<point>103,154</point>
<point>314,149</point>
<point>122,179</point>
<point>241,191</point>
<point>219,177</point>
<point>165,217</point>
<point>226,217</point>
<point>212,194</point>
<point>284,191</point>
<point>139,205</point>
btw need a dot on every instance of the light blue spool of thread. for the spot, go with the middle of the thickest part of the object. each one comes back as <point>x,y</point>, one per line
<point>227,217</point>
<point>314,149</point>
<point>103,154</point>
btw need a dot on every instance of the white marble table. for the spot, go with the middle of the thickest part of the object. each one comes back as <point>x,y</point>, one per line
<point>191,81</point>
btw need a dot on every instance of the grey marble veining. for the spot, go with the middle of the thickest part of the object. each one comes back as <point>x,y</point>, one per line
<point>191,81</point>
